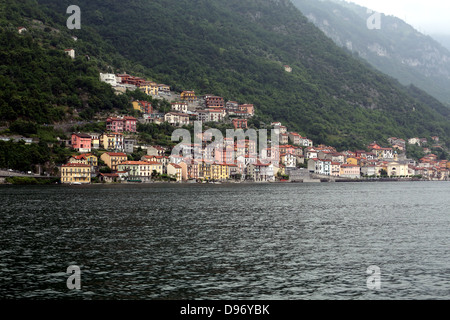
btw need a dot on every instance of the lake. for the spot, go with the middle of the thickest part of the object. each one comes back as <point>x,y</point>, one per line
<point>229,241</point>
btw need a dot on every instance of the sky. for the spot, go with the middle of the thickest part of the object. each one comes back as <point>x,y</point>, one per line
<point>427,16</point>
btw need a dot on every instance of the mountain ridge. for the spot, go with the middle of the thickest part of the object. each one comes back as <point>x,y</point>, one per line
<point>237,50</point>
<point>396,49</point>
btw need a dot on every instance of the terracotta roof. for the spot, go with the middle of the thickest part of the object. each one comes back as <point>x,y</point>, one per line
<point>116,154</point>
<point>77,165</point>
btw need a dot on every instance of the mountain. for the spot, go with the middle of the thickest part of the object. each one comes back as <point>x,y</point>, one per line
<point>443,39</point>
<point>237,49</point>
<point>396,48</point>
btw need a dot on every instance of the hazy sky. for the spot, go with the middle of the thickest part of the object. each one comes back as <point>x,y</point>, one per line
<point>427,16</point>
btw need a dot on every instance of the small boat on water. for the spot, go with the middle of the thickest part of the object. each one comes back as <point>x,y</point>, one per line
<point>76,183</point>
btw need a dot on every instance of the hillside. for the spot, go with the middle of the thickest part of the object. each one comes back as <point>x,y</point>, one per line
<point>396,49</point>
<point>237,49</point>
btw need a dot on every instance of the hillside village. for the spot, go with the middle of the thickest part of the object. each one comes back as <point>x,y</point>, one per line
<point>296,159</point>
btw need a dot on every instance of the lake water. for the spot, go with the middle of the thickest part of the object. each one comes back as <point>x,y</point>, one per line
<point>220,242</point>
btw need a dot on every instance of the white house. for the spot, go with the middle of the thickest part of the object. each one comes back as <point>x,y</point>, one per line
<point>109,78</point>
<point>70,53</point>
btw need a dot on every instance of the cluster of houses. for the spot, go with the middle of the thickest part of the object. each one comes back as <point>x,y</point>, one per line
<point>186,107</point>
<point>377,162</point>
<point>237,160</point>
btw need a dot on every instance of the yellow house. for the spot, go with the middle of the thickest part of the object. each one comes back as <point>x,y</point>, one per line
<point>76,173</point>
<point>150,88</point>
<point>397,169</point>
<point>204,170</point>
<point>113,159</point>
<point>188,96</point>
<point>352,161</point>
<point>156,166</point>
<point>175,170</point>
<point>220,171</point>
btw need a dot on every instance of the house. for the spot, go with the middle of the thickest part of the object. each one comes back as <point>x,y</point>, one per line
<point>320,166</point>
<point>76,173</point>
<point>261,172</point>
<point>180,107</point>
<point>350,171</point>
<point>295,138</point>
<point>396,169</point>
<point>353,161</point>
<point>289,160</point>
<point>108,177</point>
<point>284,138</point>
<point>210,115</point>
<point>137,170</point>
<point>383,153</point>
<point>109,78</point>
<point>114,124</point>
<point>287,68</point>
<point>335,169</point>
<point>249,109</point>
<point>176,118</point>
<point>191,168</point>
<point>21,30</point>
<point>214,102</point>
<point>149,88</point>
<point>232,105</point>
<point>219,172</point>
<point>95,142</point>
<point>113,159</point>
<point>370,170</point>
<point>80,159</point>
<point>128,145</point>
<point>155,151</point>
<point>414,141</point>
<point>163,89</point>
<point>122,124</point>
<point>188,96</point>
<point>87,158</point>
<point>143,107</point>
<point>155,166</point>
<point>240,124</point>
<point>175,171</point>
<point>81,142</point>
<point>112,141</point>
<point>160,159</point>
<point>70,53</point>
<point>311,153</point>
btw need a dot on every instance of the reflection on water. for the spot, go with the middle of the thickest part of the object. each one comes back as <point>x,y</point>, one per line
<point>283,241</point>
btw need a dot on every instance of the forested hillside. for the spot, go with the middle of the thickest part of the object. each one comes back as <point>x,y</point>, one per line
<point>235,49</point>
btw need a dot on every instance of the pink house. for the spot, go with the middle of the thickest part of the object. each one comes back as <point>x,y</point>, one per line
<point>81,142</point>
<point>114,124</point>
<point>350,171</point>
<point>125,124</point>
<point>130,124</point>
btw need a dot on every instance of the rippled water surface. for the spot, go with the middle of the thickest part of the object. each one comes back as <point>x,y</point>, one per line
<point>275,241</point>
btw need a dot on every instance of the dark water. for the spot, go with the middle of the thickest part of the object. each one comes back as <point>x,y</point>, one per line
<point>284,241</point>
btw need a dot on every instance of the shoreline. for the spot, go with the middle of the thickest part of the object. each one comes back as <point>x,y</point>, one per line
<point>323,181</point>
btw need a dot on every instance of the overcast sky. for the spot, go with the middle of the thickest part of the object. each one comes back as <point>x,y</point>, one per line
<point>427,16</point>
